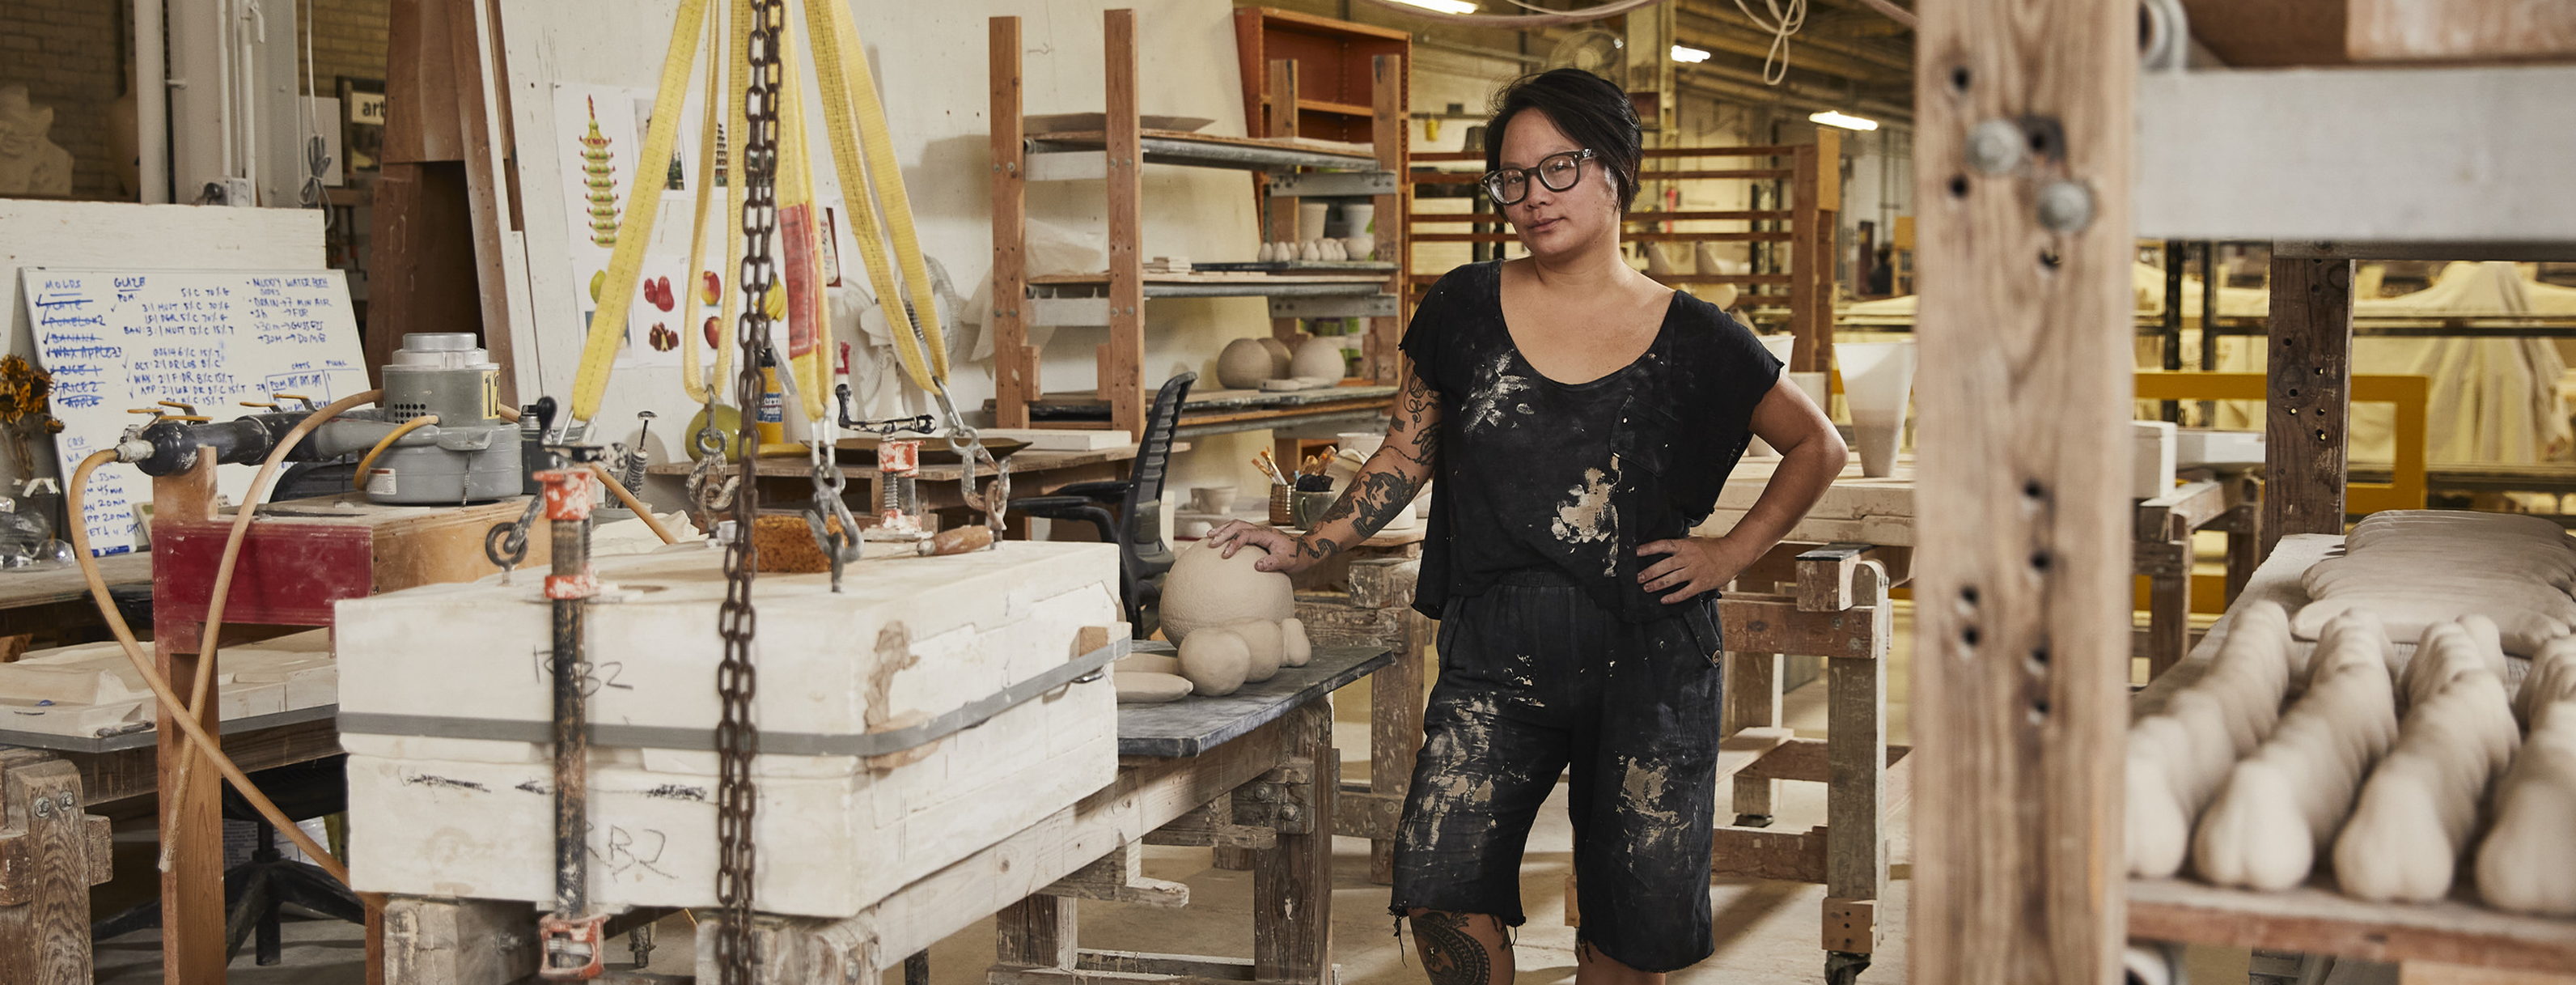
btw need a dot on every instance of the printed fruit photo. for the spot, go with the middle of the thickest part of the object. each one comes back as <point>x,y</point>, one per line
<point>713,290</point>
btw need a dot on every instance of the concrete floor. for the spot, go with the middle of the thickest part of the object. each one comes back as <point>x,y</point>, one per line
<point>1766,931</point>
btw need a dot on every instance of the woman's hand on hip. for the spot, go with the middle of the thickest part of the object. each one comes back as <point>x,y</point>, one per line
<point>1692,566</point>
<point>1286,553</point>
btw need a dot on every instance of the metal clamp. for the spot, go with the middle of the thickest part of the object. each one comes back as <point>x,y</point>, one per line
<point>842,546</point>
<point>571,948</point>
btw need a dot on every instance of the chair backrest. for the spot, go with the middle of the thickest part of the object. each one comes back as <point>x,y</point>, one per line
<point>1144,506</point>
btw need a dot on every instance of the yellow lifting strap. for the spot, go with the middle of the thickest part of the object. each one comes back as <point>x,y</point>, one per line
<point>690,331</point>
<point>635,228</point>
<point>796,192</point>
<point>841,67</point>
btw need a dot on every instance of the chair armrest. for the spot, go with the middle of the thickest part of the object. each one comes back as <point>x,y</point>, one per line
<point>1055,507</point>
<point>1102,490</point>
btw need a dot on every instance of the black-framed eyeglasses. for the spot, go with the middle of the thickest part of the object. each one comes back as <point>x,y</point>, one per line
<point>1558,172</point>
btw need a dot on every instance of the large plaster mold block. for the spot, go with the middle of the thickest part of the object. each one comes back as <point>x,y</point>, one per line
<point>441,685</point>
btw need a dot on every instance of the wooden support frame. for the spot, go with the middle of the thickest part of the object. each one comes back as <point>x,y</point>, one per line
<point>1015,361</point>
<point>2022,627</point>
<point>51,852</point>
<point>2308,352</point>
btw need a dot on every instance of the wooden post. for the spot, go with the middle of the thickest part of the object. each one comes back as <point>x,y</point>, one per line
<point>54,854</point>
<point>2309,354</point>
<point>1015,362</point>
<point>1822,199</point>
<point>2166,562</point>
<point>1814,335</point>
<point>1856,771</point>
<point>1125,360</point>
<point>192,832</point>
<point>447,209</point>
<point>1292,884</point>
<point>1037,932</point>
<point>1391,129</point>
<point>2023,594</point>
<point>1282,210</point>
<point>1753,701</point>
<point>440,941</point>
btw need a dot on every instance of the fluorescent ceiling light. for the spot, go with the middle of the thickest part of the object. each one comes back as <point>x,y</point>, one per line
<point>1443,6</point>
<point>1688,55</point>
<point>1834,119</point>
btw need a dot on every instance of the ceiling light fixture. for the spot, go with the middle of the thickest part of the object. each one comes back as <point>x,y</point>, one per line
<point>1443,6</point>
<point>1845,121</point>
<point>1688,55</point>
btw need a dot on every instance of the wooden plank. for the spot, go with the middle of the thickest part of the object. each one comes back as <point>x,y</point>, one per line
<point>1361,814</point>
<point>1038,931</point>
<point>1813,328</point>
<point>1292,884</point>
<point>2307,419</point>
<point>2168,595</point>
<point>2197,504</point>
<point>2459,30</point>
<point>2444,973</point>
<point>444,941</point>
<point>1805,761</point>
<point>2318,920</point>
<point>2437,153</point>
<point>1390,134</point>
<point>2023,590</point>
<point>1856,760</point>
<point>1851,925</point>
<point>1775,624</point>
<point>114,776</point>
<point>482,99</point>
<point>1015,362</point>
<point>1118,877</point>
<point>1184,965</point>
<point>44,891</point>
<point>1208,826</point>
<point>1125,358</point>
<point>1825,576</point>
<point>2280,32</point>
<point>1750,853</point>
<point>1280,97</point>
<point>1752,703</point>
<point>27,589</point>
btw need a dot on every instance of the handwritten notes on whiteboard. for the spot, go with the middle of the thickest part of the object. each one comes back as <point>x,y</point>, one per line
<point>117,340</point>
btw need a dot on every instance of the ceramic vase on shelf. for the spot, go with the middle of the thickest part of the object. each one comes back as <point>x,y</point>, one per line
<point>1310,220</point>
<point>1362,241</point>
<point>1878,377</point>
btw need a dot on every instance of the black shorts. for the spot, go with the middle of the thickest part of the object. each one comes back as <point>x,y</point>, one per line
<point>1535,677</point>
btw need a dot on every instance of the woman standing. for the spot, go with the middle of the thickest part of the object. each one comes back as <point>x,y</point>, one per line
<point>1581,418</point>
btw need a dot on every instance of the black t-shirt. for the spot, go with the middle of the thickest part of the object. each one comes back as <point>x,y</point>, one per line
<point>1536,473</point>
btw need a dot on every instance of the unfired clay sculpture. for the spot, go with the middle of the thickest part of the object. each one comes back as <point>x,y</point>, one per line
<point>2416,568</point>
<point>1243,365</point>
<point>2280,805</point>
<point>1279,356</point>
<point>1247,617</point>
<point>1215,660</point>
<point>1317,357</point>
<point>1146,689</point>
<point>2178,756</point>
<point>2415,815</point>
<point>2552,679</point>
<point>2528,863</point>
<point>30,162</point>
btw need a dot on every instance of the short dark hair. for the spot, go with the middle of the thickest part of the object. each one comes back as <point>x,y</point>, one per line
<point>1588,108</point>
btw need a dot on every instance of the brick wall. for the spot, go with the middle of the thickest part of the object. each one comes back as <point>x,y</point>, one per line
<point>348,39</point>
<point>70,56</point>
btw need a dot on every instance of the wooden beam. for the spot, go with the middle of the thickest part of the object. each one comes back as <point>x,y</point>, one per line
<point>1755,854</point>
<point>1752,702</point>
<point>2308,350</point>
<point>1292,884</point>
<point>46,844</point>
<point>1396,698</point>
<point>1856,762</point>
<point>458,941</point>
<point>1390,133</point>
<point>1039,931</point>
<point>1775,624</point>
<point>2459,30</point>
<point>1119,877</point>
<point>1124,360</point>
<point>1015,362</point>
<point>2023,587</point>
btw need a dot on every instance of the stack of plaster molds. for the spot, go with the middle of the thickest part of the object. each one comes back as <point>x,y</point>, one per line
<point>2416,568</point>
<point>445,702</point>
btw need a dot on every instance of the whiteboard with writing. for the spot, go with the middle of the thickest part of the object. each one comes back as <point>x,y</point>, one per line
<point>116,340</point>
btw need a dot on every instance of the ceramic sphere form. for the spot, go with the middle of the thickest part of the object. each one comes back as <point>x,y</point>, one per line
<point>1205,588</point>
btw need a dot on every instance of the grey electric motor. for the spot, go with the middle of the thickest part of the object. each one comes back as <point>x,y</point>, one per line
<point>470,454</point>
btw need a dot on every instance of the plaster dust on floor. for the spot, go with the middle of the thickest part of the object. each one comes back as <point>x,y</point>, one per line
<point>1766,931</point>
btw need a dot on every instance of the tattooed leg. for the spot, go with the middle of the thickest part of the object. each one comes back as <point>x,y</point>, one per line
<point>1462,948</point>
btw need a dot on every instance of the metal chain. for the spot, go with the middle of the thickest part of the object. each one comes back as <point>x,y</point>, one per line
<point>737,736</point>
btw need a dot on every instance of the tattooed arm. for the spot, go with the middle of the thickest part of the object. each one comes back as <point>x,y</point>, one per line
<point>1384,485</point>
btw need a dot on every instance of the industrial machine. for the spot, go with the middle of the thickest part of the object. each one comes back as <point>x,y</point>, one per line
<point>435,437</point>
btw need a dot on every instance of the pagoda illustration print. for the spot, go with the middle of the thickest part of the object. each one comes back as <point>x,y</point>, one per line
<point>598,176</point>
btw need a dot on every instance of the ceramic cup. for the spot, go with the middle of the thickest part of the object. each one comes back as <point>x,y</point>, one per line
<point>1310,220</point>
<point>1310,506</point>
<point>1212,499</point>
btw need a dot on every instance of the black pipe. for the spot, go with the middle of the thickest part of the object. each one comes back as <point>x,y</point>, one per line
<point>572,736</point>
<point>242,441</point>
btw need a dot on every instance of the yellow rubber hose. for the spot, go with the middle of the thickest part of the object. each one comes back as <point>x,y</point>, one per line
<point>635,227</point>
<point>161,688</point>
<point>223,590</point>
<point>359,481</point>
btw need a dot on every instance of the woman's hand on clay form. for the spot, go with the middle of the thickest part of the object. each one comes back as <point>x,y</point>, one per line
<point>1286,554</point>
<point>1692,565</point>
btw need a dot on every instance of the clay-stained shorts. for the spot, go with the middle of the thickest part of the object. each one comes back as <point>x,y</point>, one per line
<point>1534,678</point>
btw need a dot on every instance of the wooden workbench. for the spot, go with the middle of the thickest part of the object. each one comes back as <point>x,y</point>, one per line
<point>2315,918</point>
<point>39,599</point>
